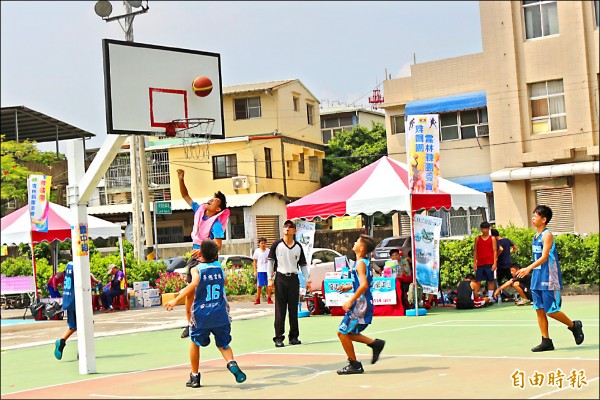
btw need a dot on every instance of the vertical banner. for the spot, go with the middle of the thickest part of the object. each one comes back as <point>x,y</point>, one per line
<point>305,235</point>
<point>423,152</point>
<point>427,251</point>
<point>38,191</point>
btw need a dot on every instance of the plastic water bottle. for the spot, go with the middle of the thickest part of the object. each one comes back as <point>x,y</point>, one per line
<point>499,300</point>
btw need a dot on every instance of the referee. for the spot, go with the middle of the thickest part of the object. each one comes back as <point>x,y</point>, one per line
<point>286,260</point>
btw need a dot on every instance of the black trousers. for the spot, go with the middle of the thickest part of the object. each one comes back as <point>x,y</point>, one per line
<point>287,294</point>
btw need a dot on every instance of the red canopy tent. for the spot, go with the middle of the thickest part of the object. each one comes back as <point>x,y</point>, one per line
<point>381,187</point>
<point>16,229</point>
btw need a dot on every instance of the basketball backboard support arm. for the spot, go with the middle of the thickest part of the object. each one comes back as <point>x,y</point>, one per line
<point>79,191</point>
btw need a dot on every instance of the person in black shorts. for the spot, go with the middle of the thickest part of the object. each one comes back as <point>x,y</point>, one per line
<point>521,285</point>
<point>506,248</point>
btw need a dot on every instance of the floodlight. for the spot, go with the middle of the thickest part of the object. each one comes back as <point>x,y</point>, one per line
<point>103,8</point>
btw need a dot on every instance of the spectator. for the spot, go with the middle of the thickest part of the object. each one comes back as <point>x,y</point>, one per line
<point>59,278</point>
<point>485,254</point>
<point>546,281</point>
<point>467,296</point>
<point>521,285</point>
<point>116,287</point>
<point>286,260</point>
<point>210,315</point>
<point>505,248</point>
<point>261,263</point>
<point>405,274</point>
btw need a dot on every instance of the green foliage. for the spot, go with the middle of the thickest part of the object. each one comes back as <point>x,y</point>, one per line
<point>350,151</point>
<point>13,174</point>
<point>240,280</point>
<point>578,256</point>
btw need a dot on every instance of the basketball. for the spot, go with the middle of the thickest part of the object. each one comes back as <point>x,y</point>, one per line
<point>202,86</point>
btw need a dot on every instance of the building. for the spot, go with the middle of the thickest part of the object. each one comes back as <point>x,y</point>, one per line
<point>520,119</point>
<point>272,153</point>
<point>336,119</point>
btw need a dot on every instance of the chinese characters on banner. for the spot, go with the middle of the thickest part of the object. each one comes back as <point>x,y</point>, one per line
<point>38,191</point>
<point>83,246</point>
<point>382,289</point>
<point>427,254</point>
<point>423,152</point>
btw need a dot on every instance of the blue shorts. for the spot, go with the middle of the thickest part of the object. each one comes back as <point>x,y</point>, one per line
<point>201,336</point>
<point>548,300</point>
<point>262,279</point>
<point>350,325</point>
<point>71,320</point>
<point>196,247</point>
<point>484,273</point>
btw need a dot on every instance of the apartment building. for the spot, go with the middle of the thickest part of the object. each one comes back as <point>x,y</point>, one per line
<point>336,119</point>
<point>272,153</point>
<point>519,120</point>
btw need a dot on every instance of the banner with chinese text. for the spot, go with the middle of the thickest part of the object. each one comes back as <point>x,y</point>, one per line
<point>427,251</point>
<point>382,289</point>
<point>38,191</point>
<point>423,152</point>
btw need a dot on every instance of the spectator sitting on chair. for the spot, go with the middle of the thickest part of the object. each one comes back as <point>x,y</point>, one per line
<point>521,285</point>
<point>466,296</point>
<point>116,288</point>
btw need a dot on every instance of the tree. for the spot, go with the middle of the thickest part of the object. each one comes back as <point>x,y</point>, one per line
<point>13,174</point>
<point>350,151</point>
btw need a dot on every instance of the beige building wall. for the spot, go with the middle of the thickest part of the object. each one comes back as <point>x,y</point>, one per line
<point>506,68</point>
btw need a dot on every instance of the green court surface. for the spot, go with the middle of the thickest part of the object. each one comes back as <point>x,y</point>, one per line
<point>448,353</point>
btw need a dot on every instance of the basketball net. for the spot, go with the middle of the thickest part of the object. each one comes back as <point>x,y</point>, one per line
<point>195,134</point>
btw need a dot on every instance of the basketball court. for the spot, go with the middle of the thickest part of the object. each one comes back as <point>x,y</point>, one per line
<point>446,354</point>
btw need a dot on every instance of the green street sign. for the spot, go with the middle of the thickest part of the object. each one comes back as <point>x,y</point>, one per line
<point>162,207</point>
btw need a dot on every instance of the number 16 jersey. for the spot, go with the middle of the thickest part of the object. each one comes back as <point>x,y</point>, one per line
<point>209,309</point>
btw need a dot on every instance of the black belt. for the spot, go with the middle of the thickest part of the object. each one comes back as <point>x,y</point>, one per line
<point>288,273</point>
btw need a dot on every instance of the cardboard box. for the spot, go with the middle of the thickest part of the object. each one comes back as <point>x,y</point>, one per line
<point>141,285</point>
<point>166,297</point>
<point>152,302</point>
<point>139,302</point>
<point>149,293</point>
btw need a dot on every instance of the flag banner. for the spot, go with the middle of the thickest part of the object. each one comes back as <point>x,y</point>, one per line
<point>305,235</point>
<point>427,251</point>
<point>38,191</point>
<point>423,152</point>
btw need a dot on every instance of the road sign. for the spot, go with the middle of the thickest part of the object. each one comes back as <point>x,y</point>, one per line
<point>162,207</point>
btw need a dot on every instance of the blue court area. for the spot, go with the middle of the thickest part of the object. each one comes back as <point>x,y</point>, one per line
<point>11,322</point>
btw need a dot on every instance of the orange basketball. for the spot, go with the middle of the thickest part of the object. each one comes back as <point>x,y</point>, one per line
<point>202,86</point>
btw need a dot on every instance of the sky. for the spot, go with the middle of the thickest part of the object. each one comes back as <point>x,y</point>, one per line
<point>51,51</point>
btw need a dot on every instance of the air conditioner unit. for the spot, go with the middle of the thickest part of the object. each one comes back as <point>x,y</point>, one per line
<point>483,130</point>
<point>240,182</point>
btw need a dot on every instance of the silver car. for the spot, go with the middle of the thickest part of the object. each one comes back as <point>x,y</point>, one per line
<point>322,262</point>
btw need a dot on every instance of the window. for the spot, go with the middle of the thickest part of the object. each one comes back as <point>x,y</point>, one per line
<point>309,114</point>
<point>466,124</point>
<point>327,135</point>
<point>170,234</point>
<point>458,222</point>
<point>541,18</point>
<point>224,166</point>
<point>296,104</point>
<point>268,163</point>
<point>313,165</point>
<point>118,175</point>
<point>247,108</point>
<point>597,12</point>
<point>548,111</point>
<point>236,223</point>
<point>331,126</point>
<point>301,164</point>
<point>398,124</point>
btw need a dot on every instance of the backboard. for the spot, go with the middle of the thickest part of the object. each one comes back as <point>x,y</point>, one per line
<point>147,86</point>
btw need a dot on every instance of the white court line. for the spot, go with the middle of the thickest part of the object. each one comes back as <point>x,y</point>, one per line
<point>270,349</point>
<point>559,390</point>
<point>507,326</point>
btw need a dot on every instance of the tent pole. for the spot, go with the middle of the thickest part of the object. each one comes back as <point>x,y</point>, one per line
<point>414,255</point>
<point>37,296</point>
<point>122,256</point>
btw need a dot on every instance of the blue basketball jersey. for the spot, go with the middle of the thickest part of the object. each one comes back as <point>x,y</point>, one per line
<point>547,276</point>
<point>363,306</point>
<point>209,309</point>
<point>68,288</point>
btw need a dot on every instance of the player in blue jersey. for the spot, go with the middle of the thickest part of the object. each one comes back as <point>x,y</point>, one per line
<point>359,308</point>
<point>546,281</point>
<point>68,304</point>
<point>209,312</point>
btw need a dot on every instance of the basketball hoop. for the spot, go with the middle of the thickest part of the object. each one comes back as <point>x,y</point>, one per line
<point>195,134</point>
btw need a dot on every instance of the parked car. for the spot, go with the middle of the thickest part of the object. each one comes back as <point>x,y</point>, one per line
<point>382,250</point>
<point>322,262</point>
<point>174,263</point>
<point>234,261</point>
